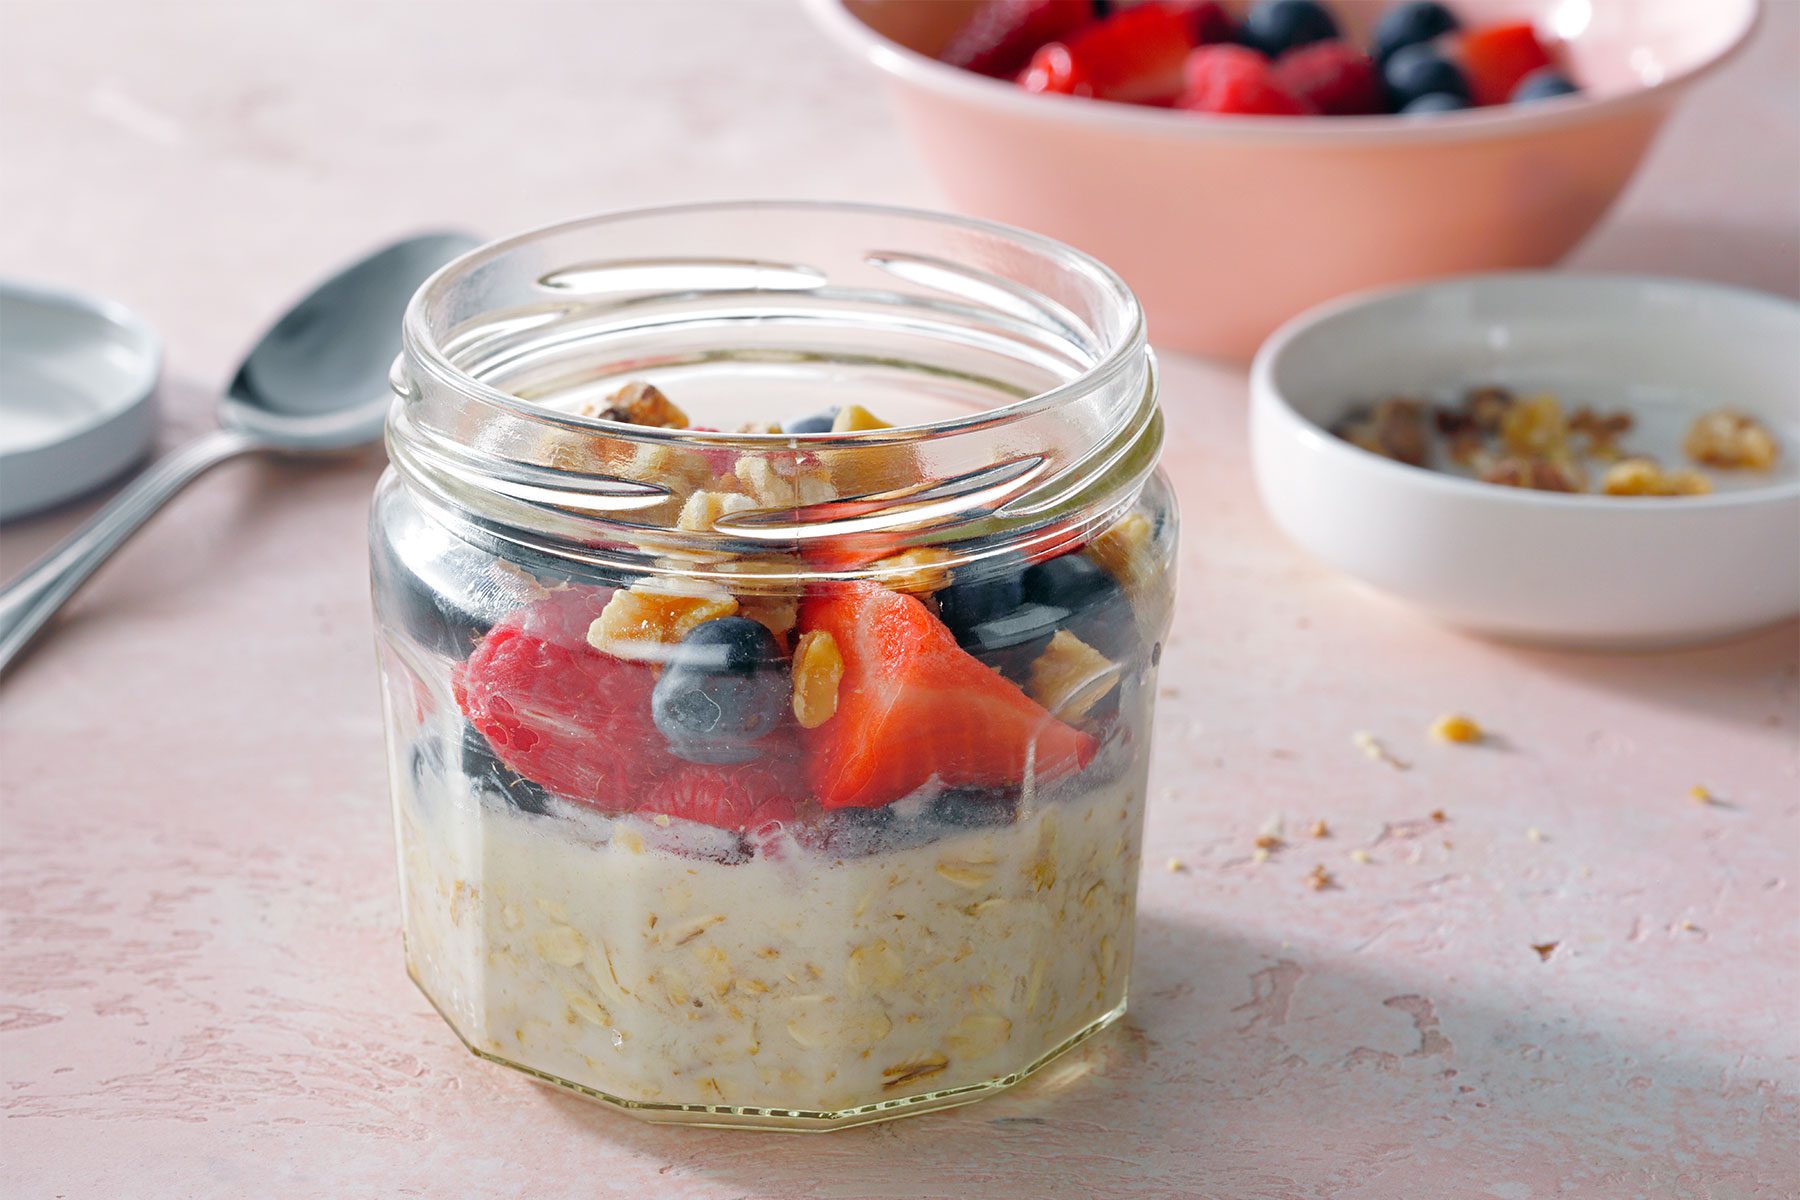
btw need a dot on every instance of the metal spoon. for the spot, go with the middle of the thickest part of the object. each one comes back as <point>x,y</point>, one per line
<point>316,382</point>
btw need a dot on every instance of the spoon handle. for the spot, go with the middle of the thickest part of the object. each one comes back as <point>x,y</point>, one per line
<point>34,597</point>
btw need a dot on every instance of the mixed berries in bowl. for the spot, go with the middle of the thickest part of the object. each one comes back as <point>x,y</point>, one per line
<point>1239,163</point>
<point>1282,58</point>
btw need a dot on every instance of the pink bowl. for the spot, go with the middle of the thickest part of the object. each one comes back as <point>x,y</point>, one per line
<point>1226,226</point>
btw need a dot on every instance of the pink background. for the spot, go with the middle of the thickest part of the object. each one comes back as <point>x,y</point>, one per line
<point>202,987</point>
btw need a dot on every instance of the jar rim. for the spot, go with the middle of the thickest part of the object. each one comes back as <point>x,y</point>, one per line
<point>424,350</point>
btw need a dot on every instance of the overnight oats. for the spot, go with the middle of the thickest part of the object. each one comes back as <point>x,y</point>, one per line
<point>769,600</point>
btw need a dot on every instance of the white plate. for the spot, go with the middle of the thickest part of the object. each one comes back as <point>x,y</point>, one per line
<point>77,388</point>
<point>1581,570</point>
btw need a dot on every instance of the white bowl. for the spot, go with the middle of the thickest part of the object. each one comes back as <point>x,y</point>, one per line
<point>1579,570</point>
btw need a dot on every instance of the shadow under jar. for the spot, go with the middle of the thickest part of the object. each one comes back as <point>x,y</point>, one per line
<point>791,780</point>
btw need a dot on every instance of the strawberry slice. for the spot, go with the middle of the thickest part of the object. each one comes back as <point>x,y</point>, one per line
<point>1000,38</point>
<point>1134,56</point>
<point>913,704</point>
<point>1496,58</point>
<point>559,712</point>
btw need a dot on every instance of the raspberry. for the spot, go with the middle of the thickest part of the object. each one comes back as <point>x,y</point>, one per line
<point>559,712</point>
<point>1235,79</point>
<point>743,798</point>
<point>1331,78</point>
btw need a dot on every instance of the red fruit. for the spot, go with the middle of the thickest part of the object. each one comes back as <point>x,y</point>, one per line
<point>1208,21</point>
<point>731,797</point>
<point>1134,56</point>
<point>913,704</point>
<point>1000,38</point>
<point>1053,71</point>
<point>1331,78</point>
<point>558,711</point>
<point>1235,79</point>
<point>1496,58</point>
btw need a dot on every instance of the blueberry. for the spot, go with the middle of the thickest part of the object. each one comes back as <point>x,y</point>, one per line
<point>422,585</point>
<point>1099,614</point>
<point>1419,70</point>
<point>820,422</point>
<point>851,832</point>
<point>725,685</point>
<point>980,592</point>
<point>1435,102</point>
<point>1545,83</point>
<point>1012,642</point>
<point>974,808</point>
<point>1277,26</point>
<point>489,774</point>
<point>1409,24</point>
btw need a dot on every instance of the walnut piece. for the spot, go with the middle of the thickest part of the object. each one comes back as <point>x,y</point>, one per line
<point>1602,430</point>
<point>818,668</point>
<point>1126,550</point>
<point>638,621</point>
<point>1644,477</point>
<point>1536,428</point>
<point>1070,677</point>
<point>1395,428</point>
<point>1538,474</point>
<point>854,418</point>
<point>639,403</point>
<point>918,570</point>
<point>1731,440</point>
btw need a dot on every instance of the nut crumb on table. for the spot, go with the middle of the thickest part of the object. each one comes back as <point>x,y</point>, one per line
<point>1372,747</point>
<point>1455,727</point>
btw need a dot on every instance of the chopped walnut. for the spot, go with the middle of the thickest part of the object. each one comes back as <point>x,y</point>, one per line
<point>1535,427</point>
<point>1319,829</point>
<point>777,614</point>
<point>1126,550</point>
<point>1487,407</point>
<point>1319,878</point>
<point>1731,440</point>
<point>1537,474</point>
<point>1070,677</point>
<point>854,418</point>
<point>639,621</point>
<point>639,403</point>
<point>1394,428</point>
<point>1545,949</point>
<point>784,480</point>
<point>1602,430</point>
<point>701,512</point>
<point>1269,841</point>
<point>818,668</point>
<point>1645,477</point>
<point>917,570</point>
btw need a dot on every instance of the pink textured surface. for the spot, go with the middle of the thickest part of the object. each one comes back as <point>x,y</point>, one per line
<point>203,993</point>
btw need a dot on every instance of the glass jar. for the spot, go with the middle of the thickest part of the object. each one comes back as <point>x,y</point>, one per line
<point>750,777</point>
